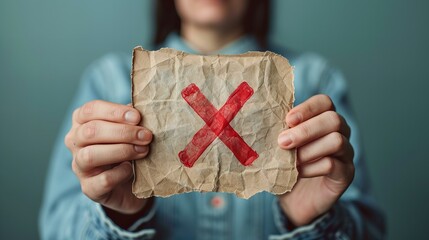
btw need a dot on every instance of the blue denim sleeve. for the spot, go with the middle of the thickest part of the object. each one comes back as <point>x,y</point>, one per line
<point>355,215</point>
<point>66,212</point>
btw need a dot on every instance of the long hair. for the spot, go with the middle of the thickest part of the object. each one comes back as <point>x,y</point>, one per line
<point>256,20</point>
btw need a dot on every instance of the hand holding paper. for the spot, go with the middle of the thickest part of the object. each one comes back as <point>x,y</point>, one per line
<point>103,139</point>
<point>325,159</point>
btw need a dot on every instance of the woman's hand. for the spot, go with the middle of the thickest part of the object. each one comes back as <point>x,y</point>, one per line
<point>103,139</point>
<point>324,159</point>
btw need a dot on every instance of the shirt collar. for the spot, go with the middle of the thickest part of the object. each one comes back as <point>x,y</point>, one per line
<point>241,45</point>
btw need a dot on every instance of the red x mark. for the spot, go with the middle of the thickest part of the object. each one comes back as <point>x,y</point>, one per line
<point>217,125</point>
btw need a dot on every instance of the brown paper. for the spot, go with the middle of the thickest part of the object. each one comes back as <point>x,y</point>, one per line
<point>158,82</point>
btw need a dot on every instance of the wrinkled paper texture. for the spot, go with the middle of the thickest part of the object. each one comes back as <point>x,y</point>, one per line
<point>158,78</point>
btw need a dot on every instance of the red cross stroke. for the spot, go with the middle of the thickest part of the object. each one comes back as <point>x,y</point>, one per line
<point>217,125</point>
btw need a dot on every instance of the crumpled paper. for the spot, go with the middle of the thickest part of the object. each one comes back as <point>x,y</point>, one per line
<point>215,121</point>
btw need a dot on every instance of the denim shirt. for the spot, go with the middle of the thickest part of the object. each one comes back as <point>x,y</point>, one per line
<point>68,214</point>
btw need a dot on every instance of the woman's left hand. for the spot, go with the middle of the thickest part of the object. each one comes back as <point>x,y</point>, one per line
<point>324,159</point>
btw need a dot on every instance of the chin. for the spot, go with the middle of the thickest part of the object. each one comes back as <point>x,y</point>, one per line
<point>213,14</point>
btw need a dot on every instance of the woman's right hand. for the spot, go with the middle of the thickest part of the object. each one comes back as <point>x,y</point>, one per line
<point>104,138</point>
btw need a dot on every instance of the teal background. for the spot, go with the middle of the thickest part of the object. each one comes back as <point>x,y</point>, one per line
<point>381,46</point>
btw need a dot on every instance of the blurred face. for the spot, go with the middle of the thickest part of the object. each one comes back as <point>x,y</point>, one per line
<point>212,13</point>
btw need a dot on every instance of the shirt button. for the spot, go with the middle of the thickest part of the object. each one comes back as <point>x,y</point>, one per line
<point>217,202</point>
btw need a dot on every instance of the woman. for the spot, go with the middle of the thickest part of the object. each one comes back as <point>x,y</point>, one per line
<point>103,136</point>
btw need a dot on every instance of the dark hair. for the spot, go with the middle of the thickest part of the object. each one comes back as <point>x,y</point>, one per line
<point>256,20</point>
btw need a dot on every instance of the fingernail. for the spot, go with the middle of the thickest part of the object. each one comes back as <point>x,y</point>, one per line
<point>140,149</point>
<point>131,116</point>
<point>295,119</point>
<point>141,135</point>
<point>285,139</point>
